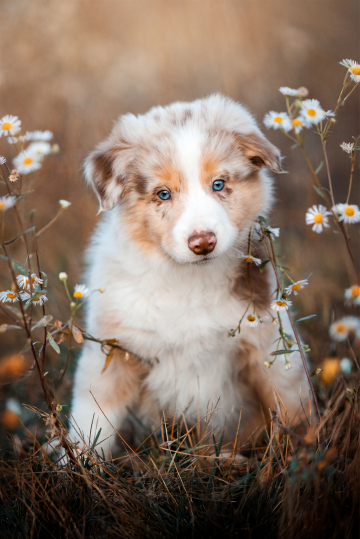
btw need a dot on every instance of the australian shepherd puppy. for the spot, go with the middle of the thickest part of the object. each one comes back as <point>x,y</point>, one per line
<point>182,187</point>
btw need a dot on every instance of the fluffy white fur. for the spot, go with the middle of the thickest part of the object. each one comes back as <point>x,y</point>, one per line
<point>170,308</point>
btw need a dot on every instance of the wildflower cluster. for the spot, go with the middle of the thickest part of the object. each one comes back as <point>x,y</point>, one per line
<point>28,288</point>
<point>29,159</point>
<point>301,115</point>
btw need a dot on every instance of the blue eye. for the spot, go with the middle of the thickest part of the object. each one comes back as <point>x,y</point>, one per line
<point>164,195</point>
<point>218,185</point>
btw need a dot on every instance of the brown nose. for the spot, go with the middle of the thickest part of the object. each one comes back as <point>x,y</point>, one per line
<point>202,243</point>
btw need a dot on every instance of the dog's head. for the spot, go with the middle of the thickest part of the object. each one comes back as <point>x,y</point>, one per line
<point>190,177</point>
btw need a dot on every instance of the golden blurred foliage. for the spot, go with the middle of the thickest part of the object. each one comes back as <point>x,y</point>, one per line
<point>12,368</point>
<point>331,367</point>
<point>10,420</point>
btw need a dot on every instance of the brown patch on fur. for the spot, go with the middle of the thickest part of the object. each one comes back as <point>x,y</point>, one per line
<point>129,372</point>
<point>251,281</point>
<point>209,169</point>
<point>259,151</point>
<point>169,177</point>
<point>140,183</point>
<point>187,115</point>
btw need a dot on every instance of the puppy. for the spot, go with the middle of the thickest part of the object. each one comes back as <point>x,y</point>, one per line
<point>182,187</point>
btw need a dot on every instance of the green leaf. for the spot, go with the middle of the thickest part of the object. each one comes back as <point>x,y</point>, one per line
<point>262,219</point>
<point>282,352</point>
<point>19,267</point>
<point>319,168</point>
<point>45,278</point>
<point>262,265</point>
<point>53,343</point>
<point>306,318</point>
<point>44,321</point>
<point>319,192</point>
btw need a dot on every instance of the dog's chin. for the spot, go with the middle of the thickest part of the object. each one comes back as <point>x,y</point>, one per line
<point>198,260</point>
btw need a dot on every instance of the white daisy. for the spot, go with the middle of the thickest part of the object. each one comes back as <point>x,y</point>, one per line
<point>252,321</point>
<point>329,114</point>
<point>317,215</point>
<point>26,163</point>
<point>64,204</point>
<point>9,125</point>
<point>248,258</point>
<point>15,140</point>
<point>14,176</point>
<point>302,91</point>
<point>8,297</point>
<point>38,149</point>
<point>311,112</point>
<point>347,147</point>
<point>39,135</point>
<point>80,291</point>
<point>23,281</point>
<point>353,294</point>
<point>281,305</point>
<point>7,202</point>
<point>349,213</point>
<point>354,69</point>
<point>277,120</point>
<point>2,160</point>
<point>38,298</point>
<point>298,124</point>
<point>274,231</point>
<point>295,287</point>
<point>264,319</point>
<point>340,330</point>
<point>346,365</point>
<point>63,276</point>
<point>285,90</point>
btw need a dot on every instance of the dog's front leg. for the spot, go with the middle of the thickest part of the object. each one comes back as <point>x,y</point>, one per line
<point>114,390</point>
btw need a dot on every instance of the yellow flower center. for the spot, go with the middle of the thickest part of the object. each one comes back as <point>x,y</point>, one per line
<point>278,119</point>
<point>349,211</point>
<point>296,286</point>
<point>6,126</point>
<point>248,259</point>
<point>340,328</point>
<point>296,122</point>
<point>355,290</point>
<point>27,161</point>
<point>318,218</point>
<point>11,295</point>
<point>251,318</point>
<point>355,70</point>
<point>2,205</point>
<point>281,303</point>
<point>78,294</point>
<point>311,112</point>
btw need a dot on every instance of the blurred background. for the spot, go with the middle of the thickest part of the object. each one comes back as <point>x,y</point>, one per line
<point>74,66</point>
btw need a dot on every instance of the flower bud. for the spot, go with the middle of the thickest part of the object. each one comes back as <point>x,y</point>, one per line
<point>63,276</point>
<point>64,204</point>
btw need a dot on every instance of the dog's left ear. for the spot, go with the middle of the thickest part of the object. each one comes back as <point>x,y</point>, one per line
<point>260,151</point>
<point>106,169</point>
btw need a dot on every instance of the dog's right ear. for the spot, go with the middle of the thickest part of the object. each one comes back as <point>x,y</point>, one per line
<point>106,170</point>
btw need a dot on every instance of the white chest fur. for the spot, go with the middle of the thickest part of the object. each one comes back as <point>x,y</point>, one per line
<point>176,317</point>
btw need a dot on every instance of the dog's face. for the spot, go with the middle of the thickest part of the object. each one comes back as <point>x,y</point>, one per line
<point>189,178</point>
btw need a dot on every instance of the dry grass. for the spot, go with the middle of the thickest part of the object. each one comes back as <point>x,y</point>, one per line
<point>292,487</point>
